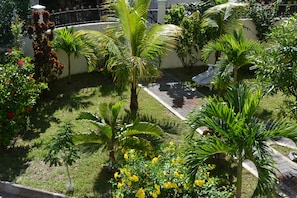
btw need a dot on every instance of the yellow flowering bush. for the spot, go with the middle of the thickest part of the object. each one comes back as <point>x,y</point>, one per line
<point>165,175</point>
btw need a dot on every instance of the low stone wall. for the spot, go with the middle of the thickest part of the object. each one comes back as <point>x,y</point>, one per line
<point>14,190</point>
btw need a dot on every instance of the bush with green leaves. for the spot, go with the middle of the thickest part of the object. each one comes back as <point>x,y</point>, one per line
<point>165,175</point>
<point>19,93</point>
<point>8,10</point>
<point>277,70</point>
<point>264,17</point>
<point>192,38</point>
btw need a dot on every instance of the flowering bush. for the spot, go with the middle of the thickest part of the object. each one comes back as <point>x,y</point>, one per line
<point>165,175</point>
<point>18,91</point>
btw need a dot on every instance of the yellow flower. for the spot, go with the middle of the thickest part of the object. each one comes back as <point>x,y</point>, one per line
<point>168,185</point>
<point>115,175</point>
<point>199,182</point>
<point>129,183</point>
<point>126,156</point>
<point>185,186</point>
<point>157,187</point>
<point>120,185</point>
<point>176,174</point>
<point>154,160</point>
<point>140,193</point>
<point>181,176</point>
<point>153,194</point>
<point>117,196</point>
<point>134,178</point>
<point>171,143</point>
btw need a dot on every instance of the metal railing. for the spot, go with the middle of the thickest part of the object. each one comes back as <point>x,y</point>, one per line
<point>88,15</point>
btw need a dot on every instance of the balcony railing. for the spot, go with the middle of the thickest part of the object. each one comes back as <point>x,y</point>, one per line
<point>92,15</point>
<point>88,15</point>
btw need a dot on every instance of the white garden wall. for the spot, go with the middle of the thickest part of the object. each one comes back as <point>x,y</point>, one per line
<point>79,65</point>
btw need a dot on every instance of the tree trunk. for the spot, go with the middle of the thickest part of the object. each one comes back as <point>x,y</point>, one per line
<point>133,102</point>
<point>69,72</point>
<point>235,75</point>
<point>239,178</point>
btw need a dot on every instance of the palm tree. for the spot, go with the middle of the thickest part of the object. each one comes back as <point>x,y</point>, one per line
<point>70,41</point>
<point>115,135</point>
<point>134,47</point>
<point>236,49</point>
<point>238,134</point>
<point>221,19</point>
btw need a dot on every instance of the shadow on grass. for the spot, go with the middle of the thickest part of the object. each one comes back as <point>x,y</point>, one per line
<point>70,97</point>
<point>13,162</point>
<point>102,188</point>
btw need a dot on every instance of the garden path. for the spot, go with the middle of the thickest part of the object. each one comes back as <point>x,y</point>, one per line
<point>181,99</point>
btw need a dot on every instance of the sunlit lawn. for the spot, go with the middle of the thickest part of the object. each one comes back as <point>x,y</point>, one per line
<point>23,163</point>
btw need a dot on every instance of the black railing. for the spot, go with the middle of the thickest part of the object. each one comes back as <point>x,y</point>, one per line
<point>92,15</point>
<point>287,9</point>
<point>88,15</point>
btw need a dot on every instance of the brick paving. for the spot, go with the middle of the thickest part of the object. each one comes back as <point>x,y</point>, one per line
<point>181,100</point>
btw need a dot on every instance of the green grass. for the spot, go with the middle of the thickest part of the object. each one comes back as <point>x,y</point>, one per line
<point>23,163</point>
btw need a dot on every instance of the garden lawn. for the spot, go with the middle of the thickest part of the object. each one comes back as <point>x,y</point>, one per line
<point>23,163</point>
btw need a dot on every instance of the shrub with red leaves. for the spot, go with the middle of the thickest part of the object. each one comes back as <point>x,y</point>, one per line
<point>47,65</point>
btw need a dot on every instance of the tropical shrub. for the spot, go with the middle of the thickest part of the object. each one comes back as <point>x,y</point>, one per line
<point>47,66</point>
<point>277,70</point>
<point>165,175</point>
<point>8,10</point>
<point>192,38</point>
<point>19,93</point>
<point>264,17</point>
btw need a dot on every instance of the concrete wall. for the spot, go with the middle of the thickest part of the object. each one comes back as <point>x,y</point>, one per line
<point>79,65</point>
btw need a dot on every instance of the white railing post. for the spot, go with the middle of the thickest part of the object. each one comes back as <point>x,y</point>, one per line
<point>161,10</point>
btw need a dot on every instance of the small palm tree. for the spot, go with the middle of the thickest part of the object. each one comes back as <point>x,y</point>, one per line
<point>70,41</point>
<point>115,135</point>
<point>237,133</point>
<point>133,46</point>
<point>222,19</point>
<point>236,49</point>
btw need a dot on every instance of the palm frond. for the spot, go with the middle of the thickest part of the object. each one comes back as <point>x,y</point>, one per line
<point>158,40</point>
<point>143,128</point>
<point>88,138</point>
<point>97,122</point>
<point>201,150</point>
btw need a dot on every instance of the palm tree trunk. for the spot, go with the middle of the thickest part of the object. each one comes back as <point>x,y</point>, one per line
<point>69,72</point>
<point>239,178</point>
<point>235,75</point>
<point>133,102</point>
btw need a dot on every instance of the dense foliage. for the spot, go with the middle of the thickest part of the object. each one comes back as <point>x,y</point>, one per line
<point>264,16</point>
<point>47,66</point>
<point>165,175</point>
<point>8,10</point>
<point>193,37</point>
<point>19,93</point>
<point>277,70</point>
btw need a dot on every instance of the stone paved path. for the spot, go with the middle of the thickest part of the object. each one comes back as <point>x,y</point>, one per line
<point>181,100</point>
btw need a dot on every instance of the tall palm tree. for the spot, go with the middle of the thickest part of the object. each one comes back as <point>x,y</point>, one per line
<point>237,133</point>
<point>236,49</point>
<point>114,134</point>
<point>133,46</point>
<point>70,41</point>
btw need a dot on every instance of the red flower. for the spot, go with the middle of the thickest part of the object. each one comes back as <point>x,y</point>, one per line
<point>10,115</point>
<point>9,50</point>
<point>20,62</point>
<point>31,78</point>
<point>29,109</point>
